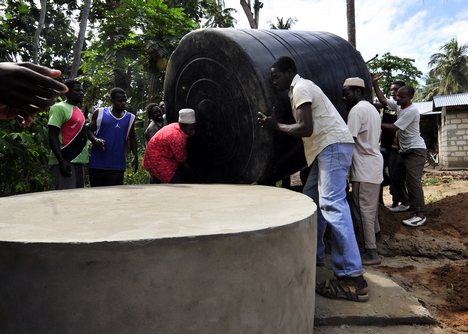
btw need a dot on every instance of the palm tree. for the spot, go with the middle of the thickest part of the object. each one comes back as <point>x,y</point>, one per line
<point>427,91</point>
<point>281,24</point>
<point>451,67</point>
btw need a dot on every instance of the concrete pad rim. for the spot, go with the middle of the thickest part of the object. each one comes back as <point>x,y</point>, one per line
<point>383,292</point>
<point>50,224</point>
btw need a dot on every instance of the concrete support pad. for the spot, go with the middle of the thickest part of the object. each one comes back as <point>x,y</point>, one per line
<point>389,305</point>
<point>169,259</point>
<point>346,329</point>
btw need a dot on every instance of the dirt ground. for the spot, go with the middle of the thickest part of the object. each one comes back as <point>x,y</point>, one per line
<point>431,262</point>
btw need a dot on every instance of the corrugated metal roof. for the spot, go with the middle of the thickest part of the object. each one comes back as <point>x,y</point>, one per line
<point>423,107</point>
<point>460,99</point>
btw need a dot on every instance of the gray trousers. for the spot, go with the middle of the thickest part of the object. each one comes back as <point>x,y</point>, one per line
<point>76,180</point>
<point>397,181</point>
<point>364,204</point>
<point>411,167</point>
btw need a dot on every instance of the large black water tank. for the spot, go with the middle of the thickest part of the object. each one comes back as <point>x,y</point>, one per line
<point>224,74</point>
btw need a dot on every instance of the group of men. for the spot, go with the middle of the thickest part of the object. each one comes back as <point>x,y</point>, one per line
<point>335,149</point>
<point>109,131</point>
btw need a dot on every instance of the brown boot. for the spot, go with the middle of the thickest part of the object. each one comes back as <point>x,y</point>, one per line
<point>370,257</point>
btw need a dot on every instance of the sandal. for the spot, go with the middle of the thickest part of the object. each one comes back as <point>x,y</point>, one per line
<point>344,288</point>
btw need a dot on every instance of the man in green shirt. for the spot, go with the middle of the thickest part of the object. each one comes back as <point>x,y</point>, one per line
<point>67,139</point>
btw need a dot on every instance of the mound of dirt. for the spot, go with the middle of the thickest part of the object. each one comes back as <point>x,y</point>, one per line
<point>431,262</point>
<point>454,278</point>
<point>444,235</point>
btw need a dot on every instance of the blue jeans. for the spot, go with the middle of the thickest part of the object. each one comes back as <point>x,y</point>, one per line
<point>326,185</point>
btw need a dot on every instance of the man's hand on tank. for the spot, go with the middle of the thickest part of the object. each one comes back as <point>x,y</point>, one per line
<point>267,121</point>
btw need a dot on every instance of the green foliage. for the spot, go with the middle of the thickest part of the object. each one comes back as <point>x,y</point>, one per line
<point>23,157</point>
<point>431,181</point>
<point>215,16</point>
<point>141,176</point>
<point>18,25</point>
<point>427,91</point>
<point>128,44</point>
<point>449,68</point>
<point>394,68</point>
<point>281,24</point>
<point>133,43</point>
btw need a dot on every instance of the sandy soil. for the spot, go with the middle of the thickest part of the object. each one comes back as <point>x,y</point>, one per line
<point>431,262</point>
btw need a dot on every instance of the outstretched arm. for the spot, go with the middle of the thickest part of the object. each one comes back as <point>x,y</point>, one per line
<point>377,90</point>
<point>26,89</point>
<point>302,128</point>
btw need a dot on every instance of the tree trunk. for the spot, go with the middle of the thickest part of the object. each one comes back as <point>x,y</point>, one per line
<point>257,6</point>
<point>37,35</point>
<point>81,36</point>
<point>351,17</point>
<point>253,18</point>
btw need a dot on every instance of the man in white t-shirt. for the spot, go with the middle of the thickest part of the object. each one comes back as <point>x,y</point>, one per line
<point>389,145</point>
<point>366,170</point>
<point>412,153</point>
<point>328,147</point>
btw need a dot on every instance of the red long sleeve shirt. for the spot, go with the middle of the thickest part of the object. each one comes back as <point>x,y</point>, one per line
<point>165,151</point>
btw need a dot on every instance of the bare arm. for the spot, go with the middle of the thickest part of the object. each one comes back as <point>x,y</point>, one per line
<point>54,143</point>
<point>133,147</point>
<point>26,88</point>
<point>389,126</point>
<point>302,128</point>
<point>91,128</point>
<point>378,92</point>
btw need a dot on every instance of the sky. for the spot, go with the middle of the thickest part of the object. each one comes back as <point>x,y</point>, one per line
<point>413,29</point>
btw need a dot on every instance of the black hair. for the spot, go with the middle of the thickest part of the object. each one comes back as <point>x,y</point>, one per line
<point>399,83</point>
<point>283,64</point>
<point>70,83</point>
<point>409,89</point>
<point>152,109</point>
<point>116,91</point>
<point>149,107</point>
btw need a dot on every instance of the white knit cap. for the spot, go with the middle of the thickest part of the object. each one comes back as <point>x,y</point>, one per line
<point>356,82</point>
<point>187,116</point>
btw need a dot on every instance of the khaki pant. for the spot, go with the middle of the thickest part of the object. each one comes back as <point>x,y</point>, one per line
<point>364,204</point>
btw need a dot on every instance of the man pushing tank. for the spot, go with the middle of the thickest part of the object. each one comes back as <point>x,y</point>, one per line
<point>328,147</point>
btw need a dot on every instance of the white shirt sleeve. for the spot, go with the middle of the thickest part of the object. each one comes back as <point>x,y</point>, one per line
<point>354,122</point>
<point>392,104</point>
<point>405,118</point>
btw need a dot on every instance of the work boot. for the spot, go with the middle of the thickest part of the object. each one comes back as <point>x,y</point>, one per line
<point>370,257</point>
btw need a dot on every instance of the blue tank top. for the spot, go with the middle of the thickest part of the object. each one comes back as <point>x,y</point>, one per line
<point>115,132</point>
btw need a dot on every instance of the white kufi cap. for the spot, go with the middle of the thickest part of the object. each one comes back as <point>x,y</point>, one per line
<point>356,82</point>
<point>187,116</point>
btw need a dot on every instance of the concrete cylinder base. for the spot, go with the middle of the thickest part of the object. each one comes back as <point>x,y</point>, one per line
<point>158,259</point>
